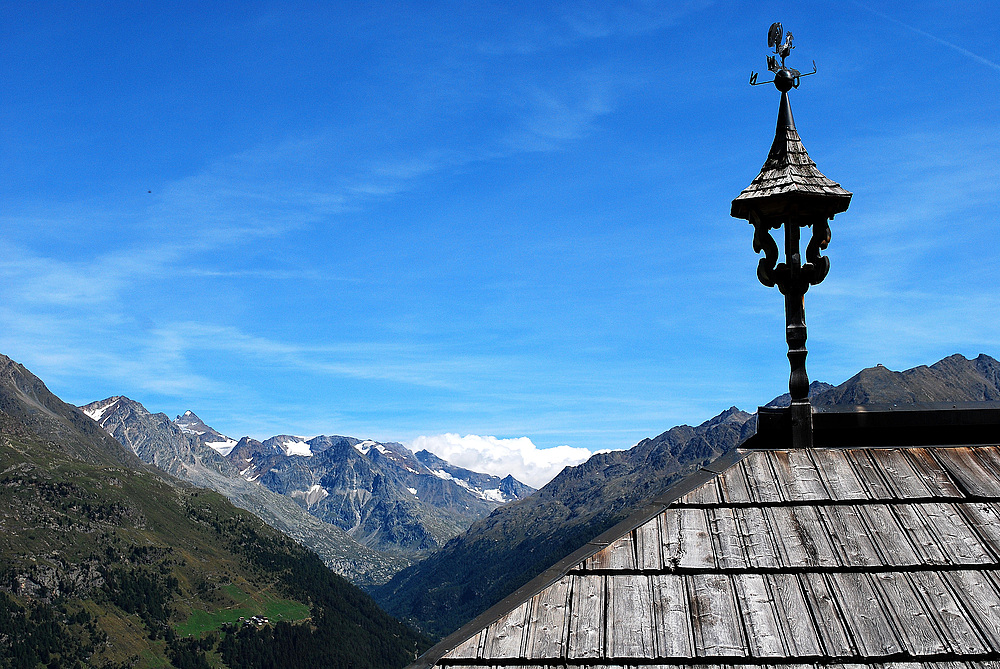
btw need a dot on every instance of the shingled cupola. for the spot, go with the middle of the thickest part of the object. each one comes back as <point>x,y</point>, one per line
<point>791,192</point>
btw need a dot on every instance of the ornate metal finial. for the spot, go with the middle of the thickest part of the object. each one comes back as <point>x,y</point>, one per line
<point>791,193</point>
<point>785,78</point>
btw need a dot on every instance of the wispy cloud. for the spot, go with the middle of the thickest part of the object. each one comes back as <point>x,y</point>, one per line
<point>76,315</point>
<point>965,52</point>
<point>359,359</point>
<point>104,348</point>
<point>550,115</point>
<point>567,23</point>
<point>110,345</point>
<point>271,190</point>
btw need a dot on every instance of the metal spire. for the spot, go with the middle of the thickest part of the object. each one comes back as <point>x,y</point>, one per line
<point>790,191</point>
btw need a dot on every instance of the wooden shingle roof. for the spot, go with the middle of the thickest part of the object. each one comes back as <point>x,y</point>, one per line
<point>789,182</point>
<point>860,557</point>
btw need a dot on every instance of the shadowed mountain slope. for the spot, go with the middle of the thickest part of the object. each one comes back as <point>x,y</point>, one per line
<point>953,379</point>
<point>516,542</point>
<point>27,407</point>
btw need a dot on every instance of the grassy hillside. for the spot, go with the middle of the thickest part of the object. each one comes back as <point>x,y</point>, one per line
<point>106,562</point>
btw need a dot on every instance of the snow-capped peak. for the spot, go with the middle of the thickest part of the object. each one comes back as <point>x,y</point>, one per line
<point>189,423</point>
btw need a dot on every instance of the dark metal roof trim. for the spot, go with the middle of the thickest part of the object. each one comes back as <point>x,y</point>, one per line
<point>561,568</point>
<point>881,426</point>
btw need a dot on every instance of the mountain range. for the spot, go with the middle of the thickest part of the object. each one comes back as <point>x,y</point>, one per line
<point>156,440</point>
<point>367,508</point>
<point>107,561</point>
<point>516,542</point>
<point>342,484</point>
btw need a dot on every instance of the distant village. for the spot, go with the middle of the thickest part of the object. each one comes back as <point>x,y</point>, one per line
<point>256,621</point>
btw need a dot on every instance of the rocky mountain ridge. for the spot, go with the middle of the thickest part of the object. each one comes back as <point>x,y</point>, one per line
<point>367,508</point>
<point>951,379</point>
<point>484,486</point>
<point>157,440</point>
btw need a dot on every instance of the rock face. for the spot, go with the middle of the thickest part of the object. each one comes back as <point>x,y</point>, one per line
<point>516,542</point>
<point>155,438</point>
<point>367,508</point>
<point>189,423</point>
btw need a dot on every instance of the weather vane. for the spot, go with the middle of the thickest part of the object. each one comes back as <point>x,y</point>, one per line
<point>785,78</point>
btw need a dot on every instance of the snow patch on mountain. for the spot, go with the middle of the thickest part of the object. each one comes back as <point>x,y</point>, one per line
<point>495,495</point>
<point>97,412</point>
<point>315,493</point>
<point>224,448</point>
<point>367,445</point>
<point>296,447</point>
<point>471,488</point>
<point>490,495</point>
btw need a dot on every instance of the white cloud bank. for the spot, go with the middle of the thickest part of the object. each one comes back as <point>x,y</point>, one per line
<point>519,457</point>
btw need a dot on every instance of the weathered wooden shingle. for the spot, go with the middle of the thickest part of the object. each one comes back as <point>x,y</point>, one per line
<point>875,558</point>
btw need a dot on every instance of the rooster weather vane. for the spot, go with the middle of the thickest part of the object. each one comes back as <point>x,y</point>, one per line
<point>785,78</point>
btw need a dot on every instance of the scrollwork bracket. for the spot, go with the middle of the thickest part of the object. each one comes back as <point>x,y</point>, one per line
<point>762,241</point>
<point>817,266</point>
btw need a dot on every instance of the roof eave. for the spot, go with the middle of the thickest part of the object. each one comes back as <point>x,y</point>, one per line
<point>797,204</point>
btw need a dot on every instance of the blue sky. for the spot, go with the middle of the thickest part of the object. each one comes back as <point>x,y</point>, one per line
<point>395,220</point>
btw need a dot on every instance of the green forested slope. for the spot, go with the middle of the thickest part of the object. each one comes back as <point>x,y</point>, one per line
<point>103,560</point>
